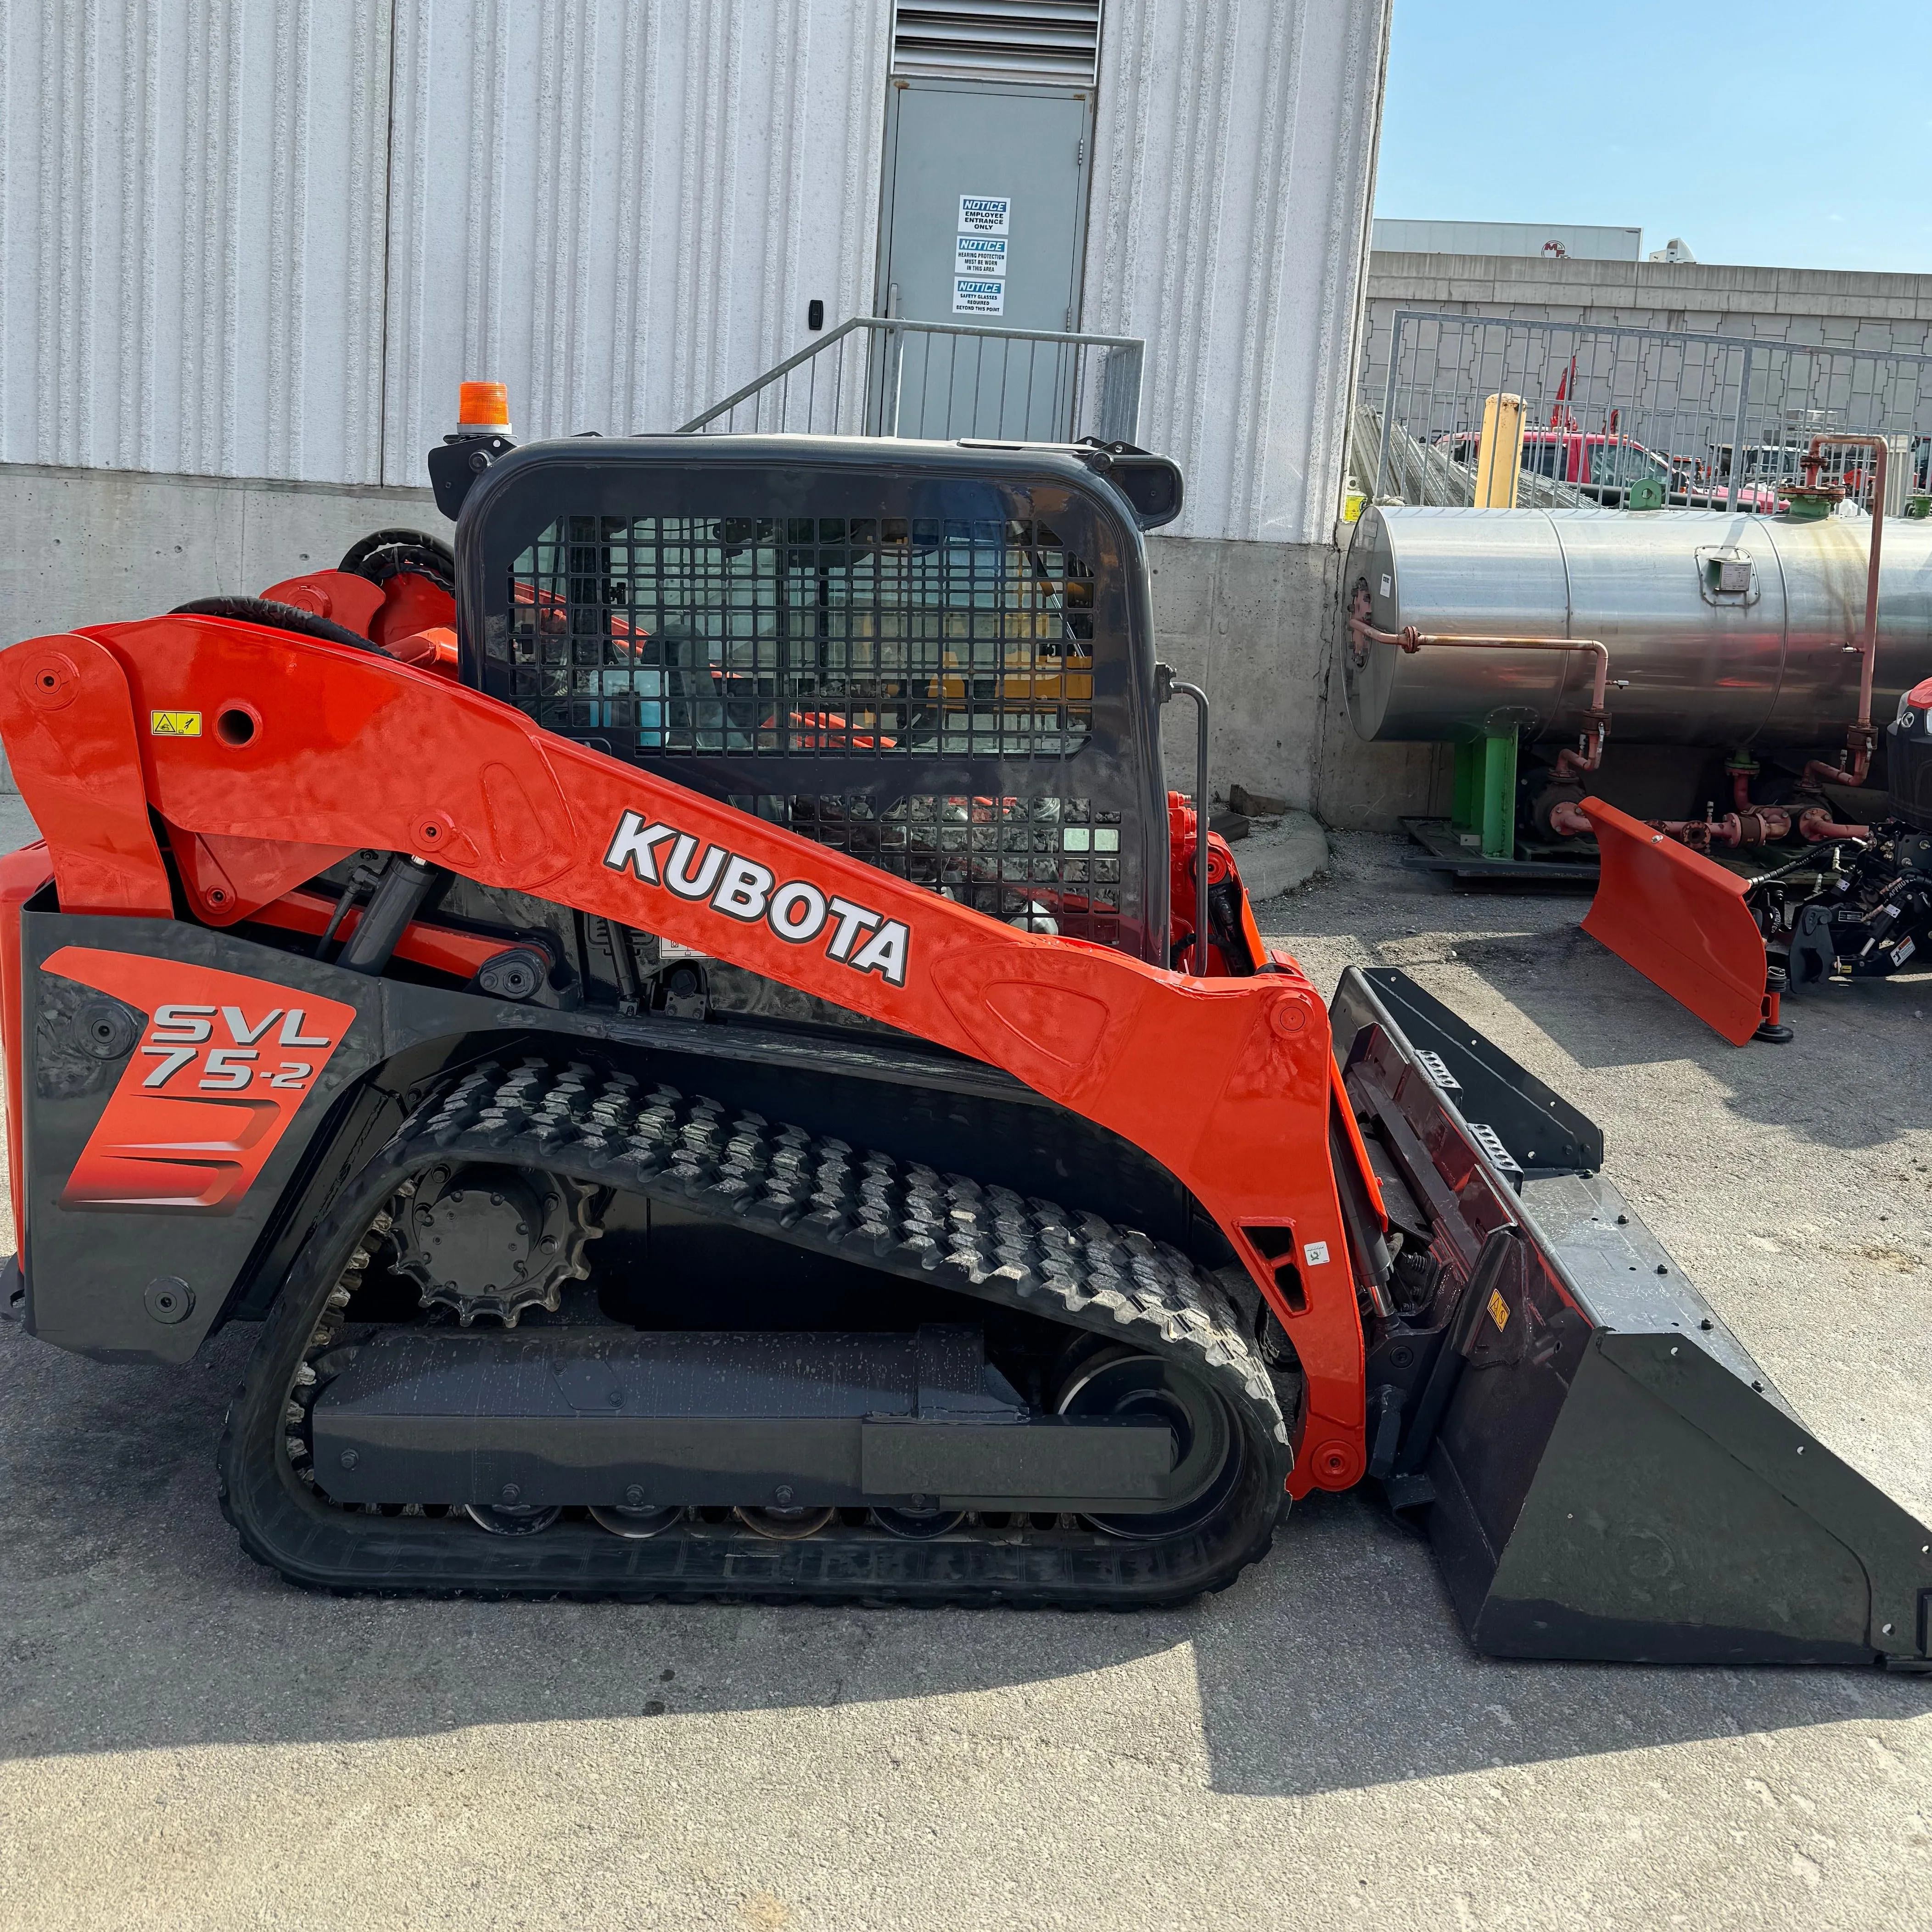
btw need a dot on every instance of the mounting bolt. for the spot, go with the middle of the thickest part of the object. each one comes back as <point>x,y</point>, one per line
<point>349,1458</point>
<point>168,1299</point>
<point>634,1495</point>
<point>510,1493</point>
<point>782,1495</point>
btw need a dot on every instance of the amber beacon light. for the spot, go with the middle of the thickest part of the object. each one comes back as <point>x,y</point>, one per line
<point>483,409</point>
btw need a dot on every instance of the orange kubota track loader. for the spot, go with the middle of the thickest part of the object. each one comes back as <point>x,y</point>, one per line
<point>683,1023</point>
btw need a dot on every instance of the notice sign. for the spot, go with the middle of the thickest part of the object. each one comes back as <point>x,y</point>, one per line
<point>984,213</point>
<point>980,255</point>
<point>978,295</point>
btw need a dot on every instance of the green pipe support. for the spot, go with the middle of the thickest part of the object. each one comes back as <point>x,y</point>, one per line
<point>1485,793</point>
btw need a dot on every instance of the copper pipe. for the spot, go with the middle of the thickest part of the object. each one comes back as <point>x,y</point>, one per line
<point>1817,825</point>
<point>1759,825</point>
<point>1861,738</point>
<point>1589,752</point>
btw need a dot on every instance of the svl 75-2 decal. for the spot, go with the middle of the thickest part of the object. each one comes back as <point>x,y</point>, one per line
<point>221,1066</point>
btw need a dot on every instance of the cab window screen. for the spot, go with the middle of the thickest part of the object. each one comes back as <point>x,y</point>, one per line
<point>793,637</point>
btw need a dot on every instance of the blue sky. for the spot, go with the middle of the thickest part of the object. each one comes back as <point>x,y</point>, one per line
<point>1773,133</point>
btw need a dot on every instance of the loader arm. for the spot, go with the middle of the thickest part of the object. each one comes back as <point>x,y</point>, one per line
<point>310,749</point>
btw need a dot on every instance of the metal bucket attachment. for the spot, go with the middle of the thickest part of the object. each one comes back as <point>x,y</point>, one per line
<point>1602,1470</point>
<point>1680,920</point>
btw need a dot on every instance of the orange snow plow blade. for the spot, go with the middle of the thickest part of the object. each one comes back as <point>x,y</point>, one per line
<point>1680,920</point>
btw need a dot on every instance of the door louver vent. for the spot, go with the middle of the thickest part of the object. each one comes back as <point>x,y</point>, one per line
<point>1056,40</point>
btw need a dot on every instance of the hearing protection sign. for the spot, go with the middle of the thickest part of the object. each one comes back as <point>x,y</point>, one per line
<point>980,255</point>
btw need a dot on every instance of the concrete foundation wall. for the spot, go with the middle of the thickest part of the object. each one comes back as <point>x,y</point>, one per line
<point>1255,626</point>
<point>102,546</point>
<point>1253,623</point>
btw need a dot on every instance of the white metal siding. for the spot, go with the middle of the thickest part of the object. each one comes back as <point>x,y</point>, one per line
<point>1234,149</point>
<point>621,209</point>
<point>192,200</point>
<point>268,237</point>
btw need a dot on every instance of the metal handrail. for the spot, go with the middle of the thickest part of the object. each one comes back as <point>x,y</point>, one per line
<point>1120,386</point>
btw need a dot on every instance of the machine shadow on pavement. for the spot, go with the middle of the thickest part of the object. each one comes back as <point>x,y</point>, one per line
<point>133,1623</point>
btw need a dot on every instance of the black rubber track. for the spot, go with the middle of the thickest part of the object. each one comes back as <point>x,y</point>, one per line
<point>871,1210</point>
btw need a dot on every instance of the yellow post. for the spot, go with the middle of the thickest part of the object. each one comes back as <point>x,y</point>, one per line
<point>1499,461</point>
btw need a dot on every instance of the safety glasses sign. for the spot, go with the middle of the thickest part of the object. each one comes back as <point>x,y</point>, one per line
<point>976,295</point>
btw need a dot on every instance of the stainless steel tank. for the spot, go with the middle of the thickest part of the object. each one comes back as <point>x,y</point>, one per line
<point>1728,631</point>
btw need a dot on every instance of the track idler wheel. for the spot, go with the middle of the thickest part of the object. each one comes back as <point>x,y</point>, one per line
<point>1121,1382</point>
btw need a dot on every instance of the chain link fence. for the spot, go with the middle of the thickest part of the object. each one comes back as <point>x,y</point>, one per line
<point>1710,421</point>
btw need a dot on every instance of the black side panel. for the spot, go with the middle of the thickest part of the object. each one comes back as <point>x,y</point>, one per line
<point>89,1268</point>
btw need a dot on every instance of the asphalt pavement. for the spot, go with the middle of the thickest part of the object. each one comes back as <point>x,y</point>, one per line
<point>185,1740</point>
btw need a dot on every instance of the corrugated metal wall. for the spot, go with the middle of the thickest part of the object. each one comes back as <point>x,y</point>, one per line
<point>191,231</point>
<point>621,206</point>
<point>268,238</point>
<point>1235,152</point>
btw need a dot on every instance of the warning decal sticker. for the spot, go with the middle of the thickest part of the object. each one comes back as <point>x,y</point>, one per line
<point>980,254</point>
<point>222,1065</point>
<point>976,295</point>
<point>984,213</point>
<point>174,723</point>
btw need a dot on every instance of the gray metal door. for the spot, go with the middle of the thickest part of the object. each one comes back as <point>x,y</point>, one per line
<point>983,225</point>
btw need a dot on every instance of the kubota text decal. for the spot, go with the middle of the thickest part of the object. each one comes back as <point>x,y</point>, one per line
<point>742,889</point>
<point>219,1071</point>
